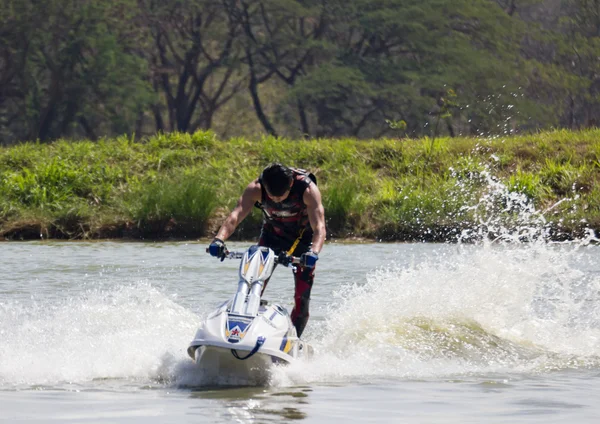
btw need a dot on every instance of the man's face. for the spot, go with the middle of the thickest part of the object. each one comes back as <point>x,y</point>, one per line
<point>279,199</point>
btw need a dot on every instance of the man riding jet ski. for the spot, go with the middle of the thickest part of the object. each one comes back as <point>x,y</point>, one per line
<point>294,223</point>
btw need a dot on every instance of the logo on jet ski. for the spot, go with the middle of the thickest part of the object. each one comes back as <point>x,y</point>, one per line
<point>263,255</point>
<point>236,328</point>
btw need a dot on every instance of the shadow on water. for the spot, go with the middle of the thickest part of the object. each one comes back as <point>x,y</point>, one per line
<point>250,403</point>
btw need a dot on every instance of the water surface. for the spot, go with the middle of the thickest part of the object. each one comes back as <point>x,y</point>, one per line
<point>97,332</point>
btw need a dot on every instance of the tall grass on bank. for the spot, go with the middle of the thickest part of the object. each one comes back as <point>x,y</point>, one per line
<point>183,185</point>
<point>339,200</point>
<point>183,203</point>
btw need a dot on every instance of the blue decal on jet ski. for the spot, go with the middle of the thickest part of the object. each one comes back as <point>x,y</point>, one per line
<point>265,255</point>
<point>273,315</point>
<point>236,328</point>
<point>283,343</point>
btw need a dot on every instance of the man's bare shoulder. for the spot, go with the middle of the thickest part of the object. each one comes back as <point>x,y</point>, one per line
<point>312,195</point>
<point>253,190</point>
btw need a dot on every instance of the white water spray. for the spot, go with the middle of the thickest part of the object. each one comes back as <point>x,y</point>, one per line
<point>511,302</point>
<point>132,332</point>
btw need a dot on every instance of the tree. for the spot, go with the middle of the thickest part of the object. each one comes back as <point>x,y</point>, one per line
<point>580,52</point>
<point>15,25</point>
<point>394,60</point>
<point>282,40</point>
<point>561,49</point>
<point>194,56</point>
<point>77,75</point>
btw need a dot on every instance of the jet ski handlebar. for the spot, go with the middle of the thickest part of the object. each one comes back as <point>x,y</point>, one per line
<point>282,259</point>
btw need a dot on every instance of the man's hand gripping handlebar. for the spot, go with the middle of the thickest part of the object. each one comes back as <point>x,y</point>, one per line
<point>218,249</point>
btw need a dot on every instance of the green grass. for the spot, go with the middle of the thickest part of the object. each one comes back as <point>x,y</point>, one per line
<point>185,201</point>
<point>183,185</point>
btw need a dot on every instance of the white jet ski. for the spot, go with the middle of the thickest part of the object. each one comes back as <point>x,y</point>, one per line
<point>246,335</point>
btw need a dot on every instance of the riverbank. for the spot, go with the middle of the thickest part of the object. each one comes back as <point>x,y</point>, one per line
<point>181,186</point>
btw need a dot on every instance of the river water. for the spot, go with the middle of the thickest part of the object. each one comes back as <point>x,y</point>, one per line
<point>96,332</point>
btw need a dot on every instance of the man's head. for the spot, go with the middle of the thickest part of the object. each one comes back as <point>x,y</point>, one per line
<point>278,181</point>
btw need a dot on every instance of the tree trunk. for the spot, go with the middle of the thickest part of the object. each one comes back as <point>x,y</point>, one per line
<point>88,128</point>
<point>303,120</point>
<point>158,119</point>
<point>450,128</point>
<point>42,132</point>
<point>571,113</point>
<point>511,8</point>
<point>256,99</point>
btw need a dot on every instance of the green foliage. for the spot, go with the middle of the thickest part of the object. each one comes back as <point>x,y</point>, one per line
<point>558,176</point>
<point>186,199</point>
<point>338,201</point>
<point>527,183</point>
<point>197,140</point>
<point>66,72</point>
<point>18,157</point>
<point>397,125</point>
<point>359,68</point>
<point>441,203</point>
<point>183,185</point>
<point>50,186</point>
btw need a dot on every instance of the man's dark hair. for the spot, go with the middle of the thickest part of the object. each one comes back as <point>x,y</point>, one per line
<point>277,178</point>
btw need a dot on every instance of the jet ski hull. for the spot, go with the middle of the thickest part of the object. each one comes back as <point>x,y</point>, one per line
<point>218,364</point>
<point>246,334</point>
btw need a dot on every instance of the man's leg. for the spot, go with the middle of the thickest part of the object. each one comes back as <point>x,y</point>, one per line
<point>303,278</point>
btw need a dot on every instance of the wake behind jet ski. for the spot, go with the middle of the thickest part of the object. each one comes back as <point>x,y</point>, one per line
<point>246,335</point>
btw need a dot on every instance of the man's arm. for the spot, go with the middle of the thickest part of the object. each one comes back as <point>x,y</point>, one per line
<point>251,195</point>
<point>316,216</point>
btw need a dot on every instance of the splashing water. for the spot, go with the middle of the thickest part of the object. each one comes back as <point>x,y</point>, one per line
<point>463,311</point>
<point>513,302</point>
<point>131,333</point>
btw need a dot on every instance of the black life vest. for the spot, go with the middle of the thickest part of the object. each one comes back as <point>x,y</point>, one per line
<point>289,218</point>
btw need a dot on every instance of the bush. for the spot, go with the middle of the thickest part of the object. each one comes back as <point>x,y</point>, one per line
<point>184,202</point>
